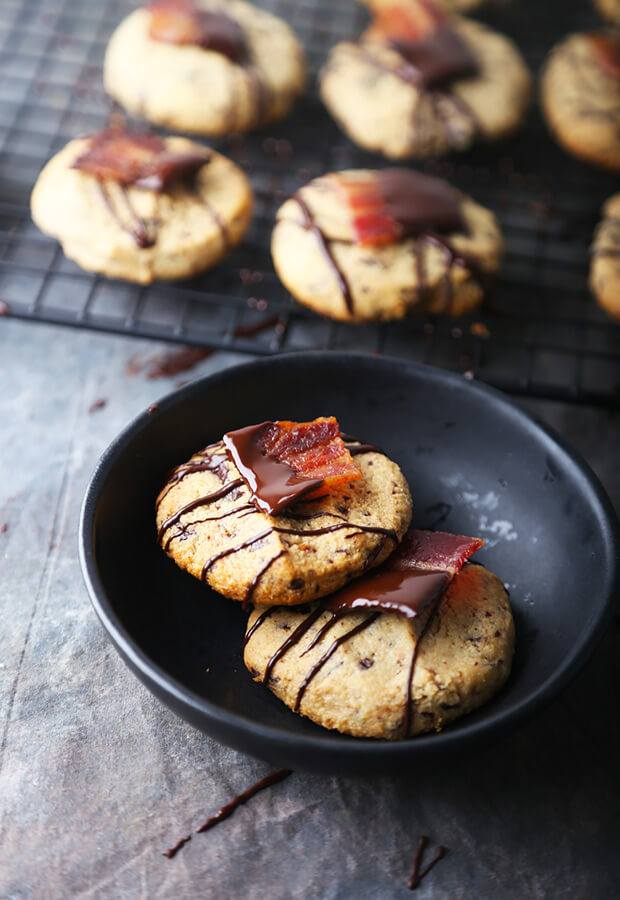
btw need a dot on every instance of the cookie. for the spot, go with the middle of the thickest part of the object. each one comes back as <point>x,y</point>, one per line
<point>580,92</point>
<point>126,218</point>
<point>452,6</point>
<point>411,90</point>
<point>205,67</point>
<point>610,9</point>
<point>605,264</point>
<point>209,525</point>
<point>435,256</point>
<point>388,676</point>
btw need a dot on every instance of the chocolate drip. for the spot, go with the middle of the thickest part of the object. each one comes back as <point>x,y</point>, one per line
<point>310,225</point>
<point>408,74</point>
<point>217,220</point>
<point>387,532</point>
<point>273,484</point>
<point>172,852</point>
<point>138,231</point>
<point>230,808</point>
<point>254,582</point>
<point>328,654</point>
<point>200,501</point>
<point>187,525</point>
<point>259,621</point>
<point>409,712</point>
<point>181,472</point>
<point>322,631</point>
<point>223,553</point>
<point>416,876</point>
<point>443,57</point>
<point>291,641</point>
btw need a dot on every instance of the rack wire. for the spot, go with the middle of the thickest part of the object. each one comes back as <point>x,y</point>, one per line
<point>539,333</point>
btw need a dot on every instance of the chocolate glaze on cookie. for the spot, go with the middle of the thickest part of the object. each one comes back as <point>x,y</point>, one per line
<point>401,585</point>
<point>213,458</point>
<point>420,203</point>
<point>425,207</point>
<point>440,59</point>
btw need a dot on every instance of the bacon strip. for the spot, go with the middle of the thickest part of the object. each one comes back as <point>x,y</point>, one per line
<point>412,578</point>
<point>312,449</point>
<point>182,22</point>
<point>372,221</point>
<point>434,551</point>
<point>281,462</point>
<point>607,52</point>
<point>142,160</point>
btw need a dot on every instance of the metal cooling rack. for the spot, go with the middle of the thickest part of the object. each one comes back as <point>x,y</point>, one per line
<point>539,333</point>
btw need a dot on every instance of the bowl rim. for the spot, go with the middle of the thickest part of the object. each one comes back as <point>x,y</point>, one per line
<point>276,740</point>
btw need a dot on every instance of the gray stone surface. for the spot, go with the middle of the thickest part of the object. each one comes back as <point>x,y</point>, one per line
<point>97,778</point>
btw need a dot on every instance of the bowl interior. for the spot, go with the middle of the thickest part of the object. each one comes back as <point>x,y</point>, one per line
<point>475,465</point>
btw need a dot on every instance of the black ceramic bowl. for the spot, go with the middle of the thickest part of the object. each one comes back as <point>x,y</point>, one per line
<point>476,464</point>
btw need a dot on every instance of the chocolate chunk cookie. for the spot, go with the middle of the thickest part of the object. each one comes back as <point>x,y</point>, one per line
<point>419,84</point>
<point>381,675</point>
<point>208,524</point>
<point>140,207</point>
<point>605,265</point>
<point>365,245</point>
<point>580,92</point>
<point>205,67</point>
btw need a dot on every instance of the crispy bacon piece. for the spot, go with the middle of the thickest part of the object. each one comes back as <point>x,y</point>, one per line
<point>139,159</point>
<point>182,22</point>
<point>408,22</point>
<point>414,576</point>
<point>607,52</point>
<point>433,551</point>
<point>372,221</point>
<point>312,450</point>
<point>395,203</point>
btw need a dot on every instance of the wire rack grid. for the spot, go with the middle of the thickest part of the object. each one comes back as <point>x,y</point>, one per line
<point>539,332</point>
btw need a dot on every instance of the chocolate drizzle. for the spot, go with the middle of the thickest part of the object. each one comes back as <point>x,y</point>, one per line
<point>273,484</point>
<point>229,808</point>
<point>440,59</point>
<point>291,641</point>
<point>316,668</point>
<point>235,549</point>
<point>137,230</point>
<point>310,225</point>
<point>416,876</point>
<point>195,504</point>
<point>226,811</point>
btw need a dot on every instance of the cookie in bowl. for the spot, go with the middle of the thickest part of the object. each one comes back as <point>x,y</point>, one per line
<point>421,83</point>
<point>364,245</point>
<point>406,649</point>
<point>605,259</point>
<point>140,207</point>
<point>283,512</point>
<point>204,66</point>
<point>580,93</point>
